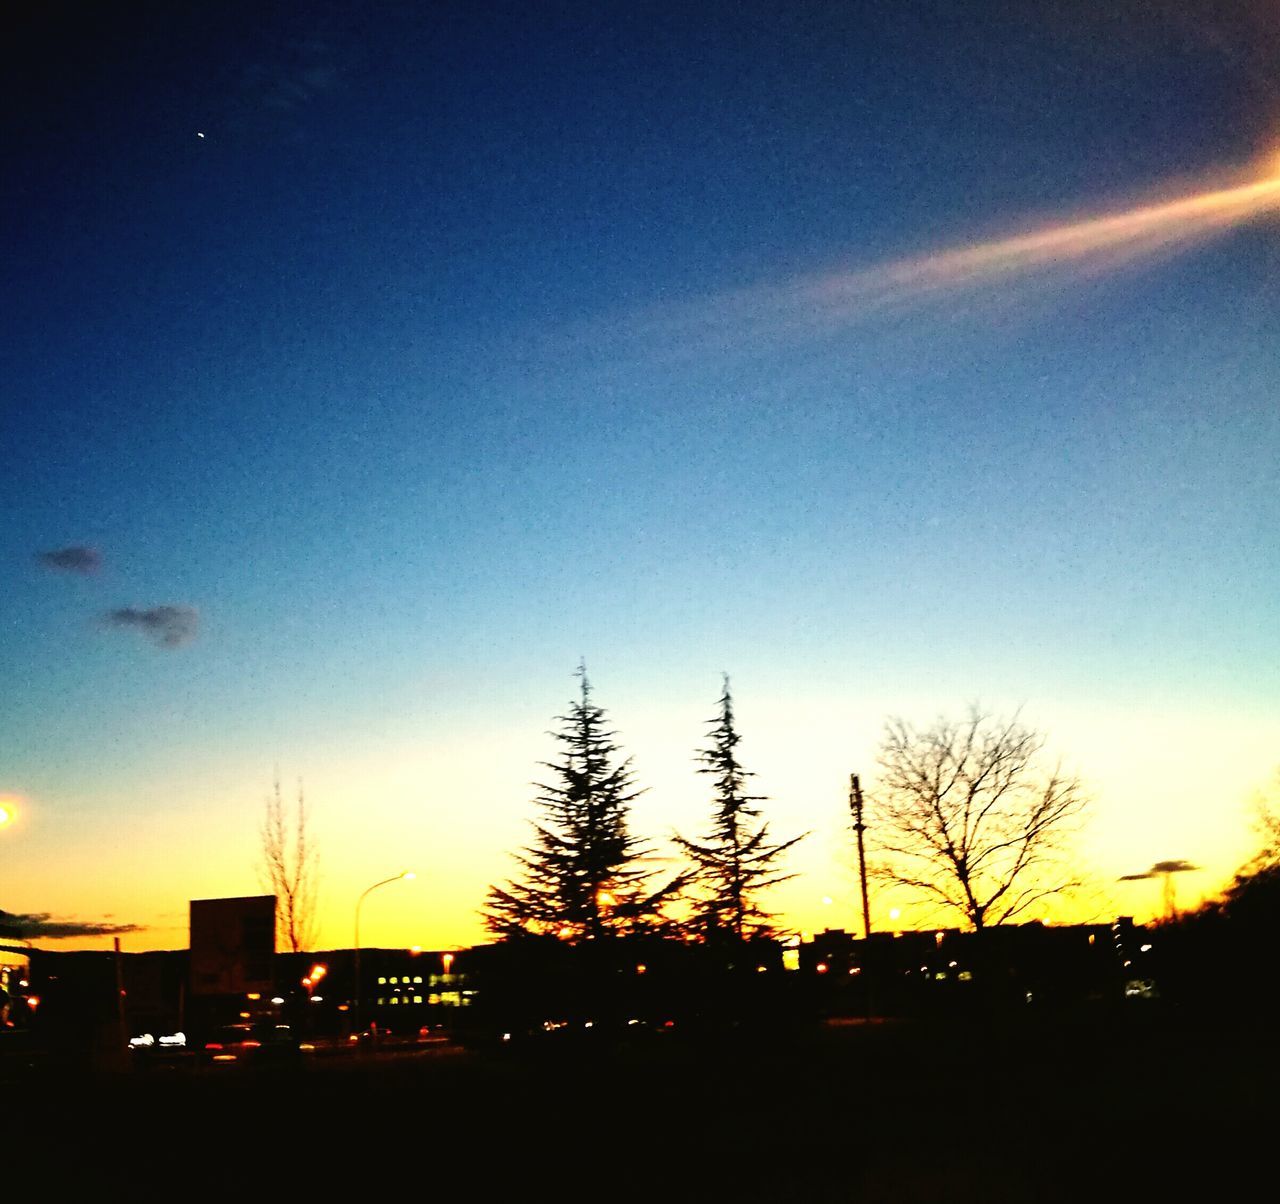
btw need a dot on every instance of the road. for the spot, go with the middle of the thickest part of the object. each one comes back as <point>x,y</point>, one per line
<point>1063,1109</point>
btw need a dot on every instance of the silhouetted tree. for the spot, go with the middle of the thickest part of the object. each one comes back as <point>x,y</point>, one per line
<point>1253,898</point>
<point>1267,828</point>
<point>290,869</point>
<point>735,862</point>
<point>1209,955</point>
<point>582,877</point>
<point>964,815</point>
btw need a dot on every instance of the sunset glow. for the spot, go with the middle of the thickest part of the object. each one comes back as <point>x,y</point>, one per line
<point>366,383</point>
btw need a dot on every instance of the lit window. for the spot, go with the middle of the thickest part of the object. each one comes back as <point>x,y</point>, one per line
<point>395,980</point>
<point>417,999</point>
<point>417,978</point>
<point>395,998</point>
<point>381,1001</point>
<point>382,982</point>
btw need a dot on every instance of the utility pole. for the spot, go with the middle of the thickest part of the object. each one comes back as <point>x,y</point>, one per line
<point>855,806</point>
<point>122,1031</point>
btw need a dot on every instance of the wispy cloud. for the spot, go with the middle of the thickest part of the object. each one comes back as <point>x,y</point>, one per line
<point>41,925</point>
<point>78,558</point>
<point>826,302</point>
<point>291,73</point>
<point>1095,243</point>
<point>165,626</point>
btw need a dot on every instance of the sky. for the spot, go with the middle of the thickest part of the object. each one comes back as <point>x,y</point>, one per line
<point>366,368</point>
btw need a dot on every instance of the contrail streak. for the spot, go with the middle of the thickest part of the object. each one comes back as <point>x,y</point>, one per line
<point>1096,242</point>
<point>831,300</point>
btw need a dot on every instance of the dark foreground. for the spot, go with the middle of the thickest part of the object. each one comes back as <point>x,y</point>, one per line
<point>1130,1105</point>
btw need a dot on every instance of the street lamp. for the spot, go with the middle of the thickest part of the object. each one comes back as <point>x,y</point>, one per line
<point>405,876</point>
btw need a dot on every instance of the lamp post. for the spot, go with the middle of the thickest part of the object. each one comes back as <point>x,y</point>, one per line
<point>407,876</point>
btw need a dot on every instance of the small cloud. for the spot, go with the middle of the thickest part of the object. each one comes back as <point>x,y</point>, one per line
<point>166,626</point>
<point>1160,867</point>
<point>42,925</point>
<point>291,74</point>
<point>79,558</point>
<point>1172,867</point>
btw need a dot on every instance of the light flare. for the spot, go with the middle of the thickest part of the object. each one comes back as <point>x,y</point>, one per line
<point>1097,242</point>
<point>829,301</point>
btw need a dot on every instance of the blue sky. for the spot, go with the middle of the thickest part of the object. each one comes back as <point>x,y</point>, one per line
<point>422,374</point>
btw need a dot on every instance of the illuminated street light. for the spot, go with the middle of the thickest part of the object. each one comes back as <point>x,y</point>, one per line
<point>404,876</point>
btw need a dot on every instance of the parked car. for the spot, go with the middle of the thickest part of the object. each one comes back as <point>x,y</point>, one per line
<point>265,1043</point>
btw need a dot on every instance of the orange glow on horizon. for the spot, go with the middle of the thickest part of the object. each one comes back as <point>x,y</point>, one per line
<point>1150,805</point>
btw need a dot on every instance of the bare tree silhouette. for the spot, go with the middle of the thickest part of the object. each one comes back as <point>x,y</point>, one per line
<point>965,816</point>
<point>290,868</point>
